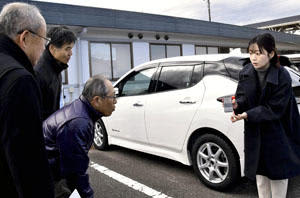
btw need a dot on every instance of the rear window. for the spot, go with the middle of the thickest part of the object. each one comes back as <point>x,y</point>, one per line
<point>179,77</point>
<point>174,77</point>
<point>197,74</point>
<point>215,68</point>
<point>234,66</point>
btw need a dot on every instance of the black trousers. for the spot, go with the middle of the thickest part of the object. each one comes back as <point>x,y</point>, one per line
<point>61,189</point>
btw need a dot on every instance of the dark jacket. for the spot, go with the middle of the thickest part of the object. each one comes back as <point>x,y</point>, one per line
<point>272,130</point>
<point>69,134</point>
<point>48,72</point>
<point>24,169</point>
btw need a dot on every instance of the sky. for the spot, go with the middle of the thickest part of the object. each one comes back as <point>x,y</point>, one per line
<point>237,12</point>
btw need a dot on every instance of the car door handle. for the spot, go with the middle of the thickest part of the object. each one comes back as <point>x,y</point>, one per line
<point>138,104</point>
<point>187,102</point>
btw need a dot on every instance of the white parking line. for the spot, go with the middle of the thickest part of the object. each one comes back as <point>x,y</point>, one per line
<point>129,182</point>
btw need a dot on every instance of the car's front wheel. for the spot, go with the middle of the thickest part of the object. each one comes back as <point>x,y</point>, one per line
<point>100,136</point>
<point>214,162</point>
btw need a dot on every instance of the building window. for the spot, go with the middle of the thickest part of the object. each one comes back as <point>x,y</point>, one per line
<point>223,50</point>
<point>200,50</point>
<point>158,51</point>
<point>206,50</point>
<point>211,50</point>
<point>112,60</point>
<point>173,50</point>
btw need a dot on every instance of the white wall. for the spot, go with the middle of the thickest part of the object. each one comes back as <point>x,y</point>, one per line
<point>79,68</point>
<point>188,49</point>
<point>78,72</point>
<point>73,67</point>
<point>85,63</point>
<point>69,92</point>
<point>140,53</point>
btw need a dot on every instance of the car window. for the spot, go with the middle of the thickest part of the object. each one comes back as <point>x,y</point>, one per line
<point>297,64</point>
<point>138,83</point>
<point>234,66</point>
<point>216,68</point>
<point>295,76</point>
<point>174,77</point>
<point>197,74</point>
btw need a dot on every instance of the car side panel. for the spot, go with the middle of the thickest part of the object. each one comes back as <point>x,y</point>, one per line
<point>168,116</point>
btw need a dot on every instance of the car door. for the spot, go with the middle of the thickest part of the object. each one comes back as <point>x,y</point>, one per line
<point>127,121</point>
<point>170,111</point>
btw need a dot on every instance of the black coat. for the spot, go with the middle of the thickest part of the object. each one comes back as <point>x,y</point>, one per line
<point>69,134</point>
<point>48,72</point>
<point>272,130</point>
<point>24,169</point>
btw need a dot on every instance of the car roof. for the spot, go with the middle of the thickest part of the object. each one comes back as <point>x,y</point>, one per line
<point>204,58</point>
<point>284,59</point>
<point>193,58</point>
<point>292,56</point>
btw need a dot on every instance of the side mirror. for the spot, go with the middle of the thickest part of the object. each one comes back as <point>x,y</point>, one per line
<point>116,91</point>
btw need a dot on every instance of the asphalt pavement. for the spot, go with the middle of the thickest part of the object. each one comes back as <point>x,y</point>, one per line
<point>166,178</point>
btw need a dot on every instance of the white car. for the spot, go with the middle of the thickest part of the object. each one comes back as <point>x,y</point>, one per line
<point>294,59</point>
<point>170,108</point>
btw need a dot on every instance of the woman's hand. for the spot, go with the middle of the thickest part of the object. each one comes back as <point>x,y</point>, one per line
<point>234,104</point>
<point>238,117</point>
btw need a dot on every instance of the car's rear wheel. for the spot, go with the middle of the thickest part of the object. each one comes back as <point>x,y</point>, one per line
<point>214,162</point>
<point>100,136</point>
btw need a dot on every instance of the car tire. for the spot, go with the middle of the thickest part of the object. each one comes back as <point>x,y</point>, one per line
<point>100,136</point>
<point>215,163</point>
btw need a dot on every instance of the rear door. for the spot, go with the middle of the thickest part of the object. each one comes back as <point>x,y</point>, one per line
<point>170,111</point>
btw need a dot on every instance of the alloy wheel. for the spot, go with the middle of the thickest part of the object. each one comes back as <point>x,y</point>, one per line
<point>212,162</point>
<point>98,135</point>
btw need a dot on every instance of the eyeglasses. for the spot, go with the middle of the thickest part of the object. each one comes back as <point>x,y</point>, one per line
<point>48,40</point>
<point>112,97</point>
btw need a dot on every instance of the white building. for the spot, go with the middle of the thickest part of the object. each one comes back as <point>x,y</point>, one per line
<point>110,42</point>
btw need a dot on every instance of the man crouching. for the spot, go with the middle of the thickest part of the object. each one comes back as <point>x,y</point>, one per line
<point>69,134</point>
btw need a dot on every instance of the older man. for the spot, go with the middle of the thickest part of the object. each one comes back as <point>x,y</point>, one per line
<point>24,169</point>
<point>69,134</point>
